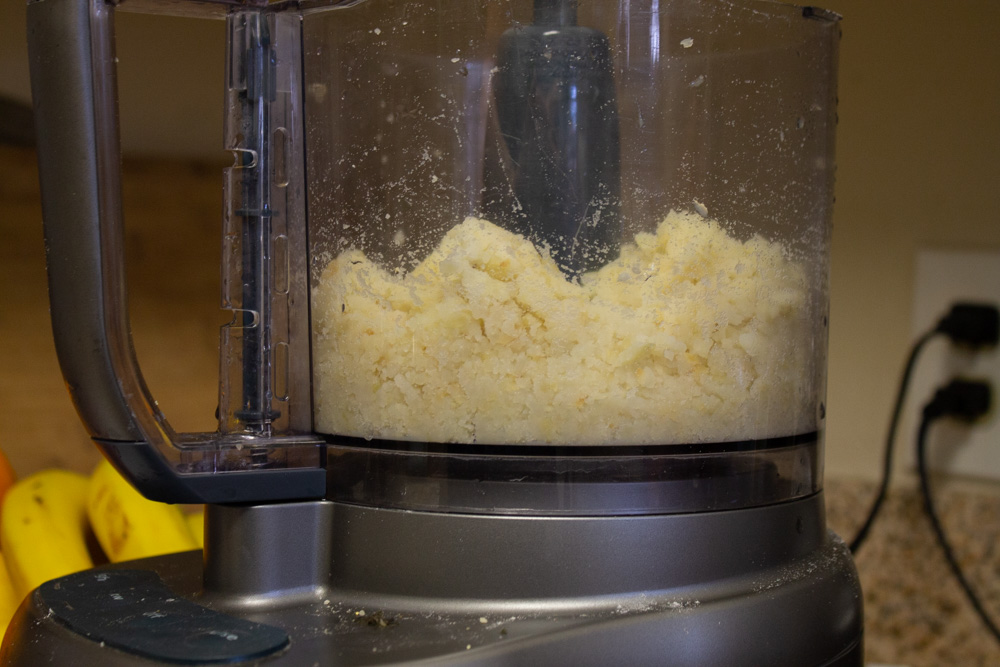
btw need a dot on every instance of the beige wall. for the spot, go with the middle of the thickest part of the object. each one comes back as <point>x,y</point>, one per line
<point>918,155</point>
<point>918,165</point>
<point>170,79</point>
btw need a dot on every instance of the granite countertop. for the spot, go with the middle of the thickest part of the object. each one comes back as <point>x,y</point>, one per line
<point>915,611</point>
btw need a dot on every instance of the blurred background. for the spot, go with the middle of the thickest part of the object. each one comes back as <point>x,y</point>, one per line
<point>918,154</point>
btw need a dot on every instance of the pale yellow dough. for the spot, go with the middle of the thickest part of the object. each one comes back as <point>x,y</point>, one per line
<point>690,336</point>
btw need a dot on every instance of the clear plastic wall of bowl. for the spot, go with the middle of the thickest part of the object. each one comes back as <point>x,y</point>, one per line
<point>689,145</point>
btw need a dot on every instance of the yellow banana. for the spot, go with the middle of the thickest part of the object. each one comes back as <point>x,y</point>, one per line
<point>9,600</point>
<point>43,528</point>
<point>196,522</point>
<point>129,526</point>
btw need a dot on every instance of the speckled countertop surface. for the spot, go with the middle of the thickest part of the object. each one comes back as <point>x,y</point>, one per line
<point>915,612</point>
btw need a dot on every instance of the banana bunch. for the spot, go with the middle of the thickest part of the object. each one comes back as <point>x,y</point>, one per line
<point>127,525</point>
<point>43,528</point>
<point>57,522</point>
<point>9,599</point>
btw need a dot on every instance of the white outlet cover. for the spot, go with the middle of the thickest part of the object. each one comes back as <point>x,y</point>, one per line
<point>944,277</point>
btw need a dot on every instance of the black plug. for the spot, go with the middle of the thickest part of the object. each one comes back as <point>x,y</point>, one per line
<point>966,400</point>
<point>973,325</point>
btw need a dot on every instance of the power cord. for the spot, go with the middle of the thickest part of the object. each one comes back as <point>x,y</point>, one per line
<point>969,325</point>
<point>966,401</point>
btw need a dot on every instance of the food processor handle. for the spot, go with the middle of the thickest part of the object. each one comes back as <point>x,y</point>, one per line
<point>74,90</point>
<point>74,157</point>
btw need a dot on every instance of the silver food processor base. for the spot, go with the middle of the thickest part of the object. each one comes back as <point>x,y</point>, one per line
<point>324,583</point>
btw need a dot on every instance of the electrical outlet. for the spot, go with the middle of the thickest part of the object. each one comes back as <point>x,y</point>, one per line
<point>945,277</point>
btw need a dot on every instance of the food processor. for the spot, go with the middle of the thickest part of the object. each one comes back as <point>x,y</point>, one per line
<point>527,355</point>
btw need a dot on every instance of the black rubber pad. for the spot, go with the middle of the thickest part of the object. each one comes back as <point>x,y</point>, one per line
<point>134,611</point>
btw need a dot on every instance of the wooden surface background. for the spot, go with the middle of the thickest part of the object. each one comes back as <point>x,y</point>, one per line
<point>173,235</point>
